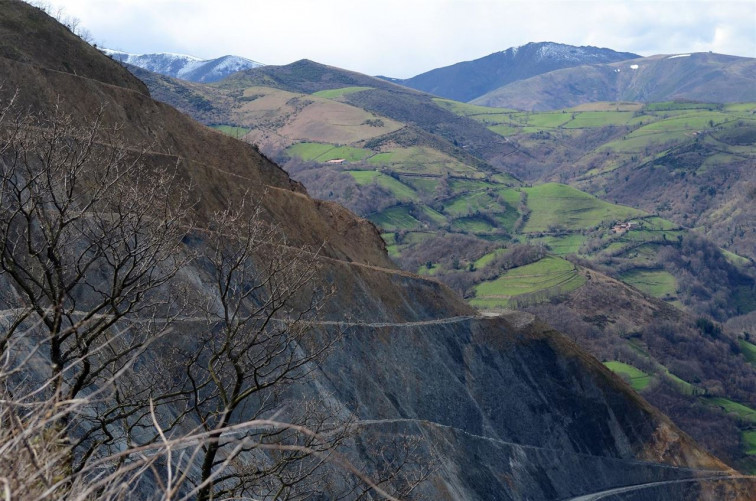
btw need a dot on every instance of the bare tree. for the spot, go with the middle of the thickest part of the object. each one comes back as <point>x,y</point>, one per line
<point>95,398</point>
<point>263,334</point>
<point>88,236</point>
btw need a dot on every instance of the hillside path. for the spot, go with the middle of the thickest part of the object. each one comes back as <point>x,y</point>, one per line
<point>630,488</point>
<point>340,323</point>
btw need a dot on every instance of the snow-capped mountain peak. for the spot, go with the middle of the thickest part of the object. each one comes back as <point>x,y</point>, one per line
<point>184,66</point>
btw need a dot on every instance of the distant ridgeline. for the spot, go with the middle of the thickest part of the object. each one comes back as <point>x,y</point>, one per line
<point>185,67</point>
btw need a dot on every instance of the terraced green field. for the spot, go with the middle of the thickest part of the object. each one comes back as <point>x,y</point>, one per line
<point>424,185</point>
<point>434,215</point>
<point>561,245</point>
<point>591,119</point>
<point>550,276</point>
<point>337,93</point>
<point>486,258</point>
<point>470,203</point>
<point>400,190</point>
<point>321,152</point>
<point>422,160</point>
<point>740,107</point>
<point>683,386</point>
<point>469,110</point>
<point>395,218</point>
<point>729,406</point>
<point>749,350</point>
<point>545,120</point>
<point>511,130</point>
<point>658,283</point>
<point>749,440</point>
<point>231,130</point>
<point>556,205</point>
<point>472,225</point>
<point>638,379</point>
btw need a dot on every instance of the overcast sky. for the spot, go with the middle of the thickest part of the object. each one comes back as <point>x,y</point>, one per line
<point>402,38</point>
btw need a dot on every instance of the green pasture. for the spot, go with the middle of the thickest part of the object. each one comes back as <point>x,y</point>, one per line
<point>389,237</point>
<point>643,255</point>
<point>322,152</point>
<point>592,119</point>
<point>559,205</point>
<point>678,105</point>
<point>657,283</point>
<point>731,407</point>
<point>462,185</point>
<point>497,119</point>
<point>658,223</point>
<point>561,245</point>
<point>548,120</point>
<point>231,130</point>
<point>424,185</point>
<point>468,110</point>
<point>424,270</point>
<point>506,219</point>
<point>483,260</point>
<point>749,350</point>
<point>337,93</point>
<point>510,195</point>
<point>511,130</point>
<point>549,275</point>
<point>637,143</point>
<point>683,386</point>
<point>684,122</point>
<point>434,215</point>
<point>735,259</point>
<point>395,218</point>
<point>749,440</point>
<point>398,189</point>
<point>472,225</point>
<point>504,178</point>
<point>393,250</point>
<point>422,160</point>
<point>638,379</point>
<point>469,203</point>
<point>741,107</point>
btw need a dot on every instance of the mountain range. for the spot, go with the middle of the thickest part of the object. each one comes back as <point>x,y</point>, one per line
<point>468,80</point>
<point>185,67</point>
<point>705,77</point>
<point>534,77</point>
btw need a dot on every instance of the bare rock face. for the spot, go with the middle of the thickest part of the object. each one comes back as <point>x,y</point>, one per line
<point>499,407</point>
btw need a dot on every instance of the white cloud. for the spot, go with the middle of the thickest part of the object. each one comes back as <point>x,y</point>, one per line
<point>404,37</point>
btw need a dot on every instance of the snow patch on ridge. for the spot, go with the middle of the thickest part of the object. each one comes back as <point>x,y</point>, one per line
<point>185,66</point>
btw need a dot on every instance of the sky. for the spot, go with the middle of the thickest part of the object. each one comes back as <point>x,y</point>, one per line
<point>403,38</point>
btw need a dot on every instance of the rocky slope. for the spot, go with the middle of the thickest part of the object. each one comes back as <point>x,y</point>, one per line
<point>506,407</point>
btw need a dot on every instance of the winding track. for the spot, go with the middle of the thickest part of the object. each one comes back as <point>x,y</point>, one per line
<point>631,488</point>
<point>4,314</point>
<point>340,323</point>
